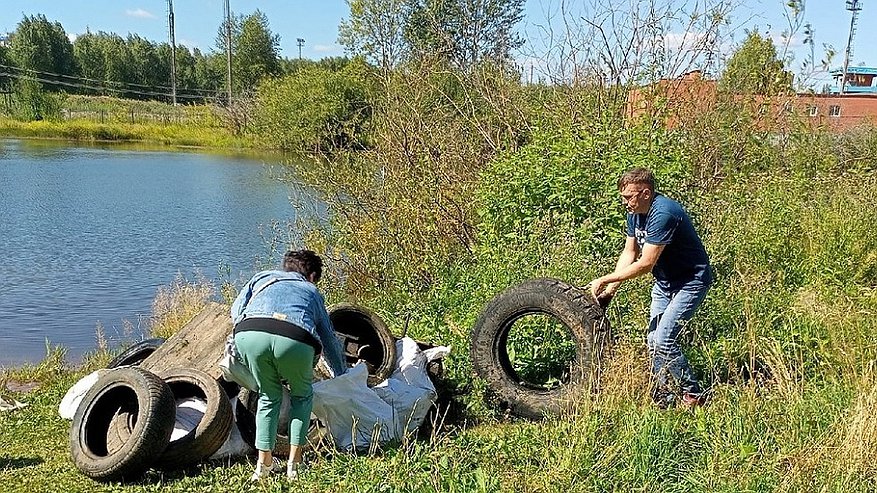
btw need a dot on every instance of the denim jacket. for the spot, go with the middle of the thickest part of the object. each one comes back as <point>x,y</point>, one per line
<point>288,296</point>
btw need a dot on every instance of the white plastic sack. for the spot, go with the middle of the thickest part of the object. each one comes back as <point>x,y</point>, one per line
<point>359,417</point>
<point>74,396</point>
<point>353,413</point>
<point>190,412</point>
<point>409,390</point>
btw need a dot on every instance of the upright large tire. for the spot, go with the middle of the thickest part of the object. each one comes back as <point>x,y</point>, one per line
<point>213,429</point>
<point>140,398</point>
<point>136,353</point>
<point>574,308</point>
<point>365,336</point>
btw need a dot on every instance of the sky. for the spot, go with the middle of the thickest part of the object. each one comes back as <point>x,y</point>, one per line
<point>316,21</point>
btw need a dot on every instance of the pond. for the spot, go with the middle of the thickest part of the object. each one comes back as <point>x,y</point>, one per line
<point>89,234</point>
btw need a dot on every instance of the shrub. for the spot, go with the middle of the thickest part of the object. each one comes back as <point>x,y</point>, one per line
<point>315,109</point>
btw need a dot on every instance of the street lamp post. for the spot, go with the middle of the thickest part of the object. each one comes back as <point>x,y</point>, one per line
<point>300,42</point>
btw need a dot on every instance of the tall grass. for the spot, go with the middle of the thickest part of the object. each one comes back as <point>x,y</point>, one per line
<point>176,304</point>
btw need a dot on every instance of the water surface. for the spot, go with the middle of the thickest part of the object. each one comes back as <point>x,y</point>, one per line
<point>88,235</point>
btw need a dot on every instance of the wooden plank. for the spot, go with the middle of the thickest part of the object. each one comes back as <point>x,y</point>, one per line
<point>199,344</point>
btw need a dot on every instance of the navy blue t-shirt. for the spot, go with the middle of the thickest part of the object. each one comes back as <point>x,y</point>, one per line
<point>684,259</point>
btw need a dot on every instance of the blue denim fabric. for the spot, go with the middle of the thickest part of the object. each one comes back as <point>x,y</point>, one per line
<point>291,298</point>
<point>669,311</point>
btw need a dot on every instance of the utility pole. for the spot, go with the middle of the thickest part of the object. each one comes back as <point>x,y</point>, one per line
<point>170,21</point>
<point>300,42</point>
<point>228,46</point>
<point>854,7</point>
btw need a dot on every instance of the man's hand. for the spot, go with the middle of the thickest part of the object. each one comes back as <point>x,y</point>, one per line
<point>601,288</point>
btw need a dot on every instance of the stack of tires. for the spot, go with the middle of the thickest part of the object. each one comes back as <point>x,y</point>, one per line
<point>125,424</point>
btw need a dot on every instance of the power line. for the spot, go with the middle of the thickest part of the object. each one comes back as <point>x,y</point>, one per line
<point>79,78</point>
<point>94,88</point>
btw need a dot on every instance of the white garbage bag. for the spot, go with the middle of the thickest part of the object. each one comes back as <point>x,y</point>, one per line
<point>10,404</point>
<point>354,414</point>
<point>359,417</point>
<point>74,395</point>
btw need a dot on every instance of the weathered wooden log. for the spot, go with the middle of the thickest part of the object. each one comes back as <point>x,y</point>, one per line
<point>199,344</point>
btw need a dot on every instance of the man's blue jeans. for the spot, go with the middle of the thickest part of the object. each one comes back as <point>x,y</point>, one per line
<point>669,311</point>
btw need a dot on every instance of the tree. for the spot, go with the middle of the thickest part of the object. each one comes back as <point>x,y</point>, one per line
<point>4,60</point>
<point>461,32</point>
<point>255,50</point>
<point>150,65</point>
<point>42,46</point>
<point>187,78</point>
<point>118,63</point>
<point>755,69</point>
<point>376,30</point>
<point>209,70</point>
<point>90,59</point>
<point>465,32</point>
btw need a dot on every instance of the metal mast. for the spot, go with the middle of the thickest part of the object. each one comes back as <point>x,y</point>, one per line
<point>853,6</point>
<point>228,46</point>
<point>170,20</point>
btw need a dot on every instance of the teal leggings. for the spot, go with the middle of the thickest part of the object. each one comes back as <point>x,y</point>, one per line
<point>272,358</point>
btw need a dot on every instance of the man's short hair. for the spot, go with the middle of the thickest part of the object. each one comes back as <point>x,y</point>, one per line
<point>305,262</point>
<point>638,176</point>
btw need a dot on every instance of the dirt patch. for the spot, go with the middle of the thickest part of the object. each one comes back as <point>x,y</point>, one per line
<point>22,387</point>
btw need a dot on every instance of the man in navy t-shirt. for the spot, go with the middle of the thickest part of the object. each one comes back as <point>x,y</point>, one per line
<point>662,240</point>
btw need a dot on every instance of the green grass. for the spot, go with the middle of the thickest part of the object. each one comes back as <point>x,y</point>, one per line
<point>169,135</point>
<point>819,438</point>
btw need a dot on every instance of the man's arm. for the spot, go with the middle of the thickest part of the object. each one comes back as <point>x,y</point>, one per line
<point>626,269</point>
<point>627,257</point>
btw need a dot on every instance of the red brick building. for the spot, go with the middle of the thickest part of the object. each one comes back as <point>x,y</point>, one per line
<point>675,101</point>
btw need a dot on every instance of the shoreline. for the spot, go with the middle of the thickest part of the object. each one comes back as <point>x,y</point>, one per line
<point>85,131</point>
<point>148,145</point>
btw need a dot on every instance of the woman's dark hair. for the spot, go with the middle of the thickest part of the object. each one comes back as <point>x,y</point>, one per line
<point>305,262</point>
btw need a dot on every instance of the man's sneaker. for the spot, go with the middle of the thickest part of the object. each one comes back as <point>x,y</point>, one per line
<point>264,470</point>
<point>691,401</point>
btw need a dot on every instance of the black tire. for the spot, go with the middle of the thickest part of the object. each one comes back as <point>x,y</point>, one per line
<point>575,308</point>
<point>364,335</point>
<point>213,429</point>
<point>139,398</point>
<point>136,353</point>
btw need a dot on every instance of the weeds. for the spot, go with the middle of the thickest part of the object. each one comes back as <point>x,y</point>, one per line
<point>176,304</point>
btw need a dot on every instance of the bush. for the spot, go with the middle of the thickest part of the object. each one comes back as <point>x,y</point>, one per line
<point>315,109</point>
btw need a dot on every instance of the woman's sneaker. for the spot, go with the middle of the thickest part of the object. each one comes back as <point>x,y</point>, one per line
<point>294,469</point>
<point>263,470</point>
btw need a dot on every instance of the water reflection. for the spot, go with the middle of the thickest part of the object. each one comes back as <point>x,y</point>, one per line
<point>90,233</point>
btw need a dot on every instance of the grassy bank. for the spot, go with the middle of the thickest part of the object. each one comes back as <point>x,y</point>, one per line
<point>786,437</point>
<point>147,133</point>
<point>800,420</point>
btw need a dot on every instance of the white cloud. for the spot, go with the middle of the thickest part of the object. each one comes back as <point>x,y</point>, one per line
<point>325,48</point>
<point>72,37</point>
<point>143,14</point>
<point>684,41</point>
